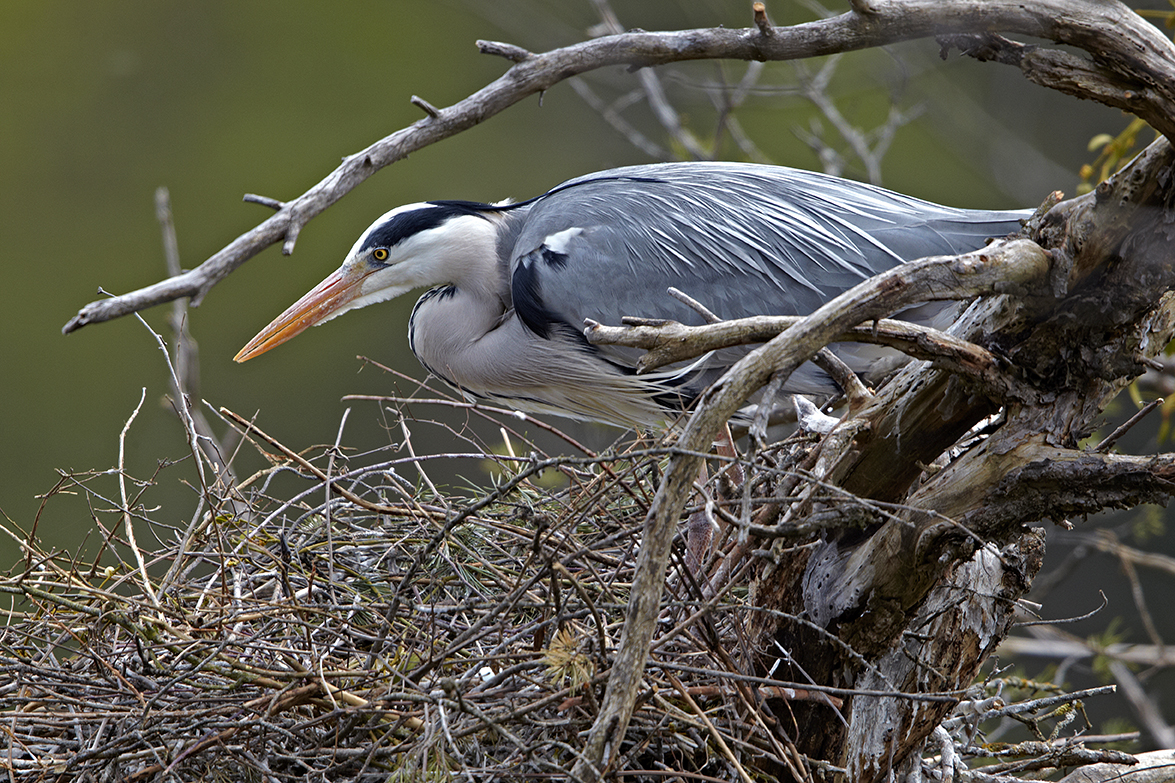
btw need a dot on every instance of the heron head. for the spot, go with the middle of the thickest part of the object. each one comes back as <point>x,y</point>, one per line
<point>411,247</point>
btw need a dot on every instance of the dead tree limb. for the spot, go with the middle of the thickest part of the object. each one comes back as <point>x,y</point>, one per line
<point>1127,70</point>
<point>1111,263</point>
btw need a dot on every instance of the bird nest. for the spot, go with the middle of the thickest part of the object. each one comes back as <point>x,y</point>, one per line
<point>390,632</point>
<point>386,633</point>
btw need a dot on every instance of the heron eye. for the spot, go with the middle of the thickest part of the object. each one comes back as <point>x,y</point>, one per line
<point>380,254</point>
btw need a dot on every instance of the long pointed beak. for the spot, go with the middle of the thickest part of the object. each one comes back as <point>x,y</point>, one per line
<point>326,299</point>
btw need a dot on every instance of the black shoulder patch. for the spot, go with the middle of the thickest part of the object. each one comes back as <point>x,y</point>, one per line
<point>462,207</point>
<point>526,290</point>
<point>405,224</point>
<point>553,259</point>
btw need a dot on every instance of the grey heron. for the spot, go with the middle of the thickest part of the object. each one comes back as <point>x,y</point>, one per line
<point>517,280</point>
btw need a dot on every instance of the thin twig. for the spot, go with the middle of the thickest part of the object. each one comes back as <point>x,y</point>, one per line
<point>432,111</point>
<point>1126,426</point>
<point>714,733</point>
<point>128,521</point>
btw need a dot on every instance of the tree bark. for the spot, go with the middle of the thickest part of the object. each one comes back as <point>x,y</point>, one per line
<point>922,599</point>
<point>915,603</point>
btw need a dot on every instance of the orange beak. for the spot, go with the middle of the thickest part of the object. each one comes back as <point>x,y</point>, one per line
<point>329,298</point>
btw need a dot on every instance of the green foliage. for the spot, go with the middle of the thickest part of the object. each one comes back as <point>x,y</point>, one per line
<point>1168,17</point>
<point>1113,153</point>
<point>1149,522</point>
<point>1114,634</point>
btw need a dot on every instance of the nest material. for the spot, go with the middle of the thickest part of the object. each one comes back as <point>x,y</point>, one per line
<point>331,642</point>
<point>422,638</point>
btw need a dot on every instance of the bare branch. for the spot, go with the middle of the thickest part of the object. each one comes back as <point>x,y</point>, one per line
<point>870,588</point>
<point>1144,706</point>
<point>1132,71</point>
<point>511,52</point>
<point>671,342</point>
<point>1061,647</point>
<point>1113,437</point>
<point>1153,767</point>
<point>659,102</point>
<point>761,20</point>
<point>612,116</point>
<point>265,201</point>
<point>1010,263</point>
<point>694,305</point>
<point>852,387</point>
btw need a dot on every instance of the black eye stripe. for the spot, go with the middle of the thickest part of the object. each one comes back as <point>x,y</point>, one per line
<point>405,224</point>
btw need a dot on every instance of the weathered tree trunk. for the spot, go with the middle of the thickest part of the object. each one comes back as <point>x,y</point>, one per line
<point>915,604</point>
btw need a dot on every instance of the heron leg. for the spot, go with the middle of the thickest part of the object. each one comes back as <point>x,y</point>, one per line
<point>732,474</point>
<point>699,530</point>
<point>702,524</point>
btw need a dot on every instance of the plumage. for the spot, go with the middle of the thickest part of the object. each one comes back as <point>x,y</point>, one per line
<point>518,280</point>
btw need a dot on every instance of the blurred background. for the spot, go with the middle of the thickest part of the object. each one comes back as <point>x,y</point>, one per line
<point>103,103</point>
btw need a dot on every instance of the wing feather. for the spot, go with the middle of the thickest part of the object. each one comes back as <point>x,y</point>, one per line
<point>740,238</point>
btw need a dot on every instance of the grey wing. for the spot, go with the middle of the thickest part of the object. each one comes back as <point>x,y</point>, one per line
<point>741,239</point>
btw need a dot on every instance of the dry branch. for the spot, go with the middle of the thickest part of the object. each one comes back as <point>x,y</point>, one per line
<point>1016,264</point>
<point>886,581</point>
<point>1130,69</point>
<point>671,342</point>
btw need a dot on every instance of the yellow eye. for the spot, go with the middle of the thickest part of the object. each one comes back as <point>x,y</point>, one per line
<point>380,254</point>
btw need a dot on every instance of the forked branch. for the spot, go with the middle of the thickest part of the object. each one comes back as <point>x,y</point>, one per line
<point>1130,69</point>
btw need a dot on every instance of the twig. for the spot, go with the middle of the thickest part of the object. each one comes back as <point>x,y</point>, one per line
<point>727,102</point>
<point>1112,438</point>
<point>668,342</point>
<point>1104,541</point>
<point>128,522</point>
<point>761,20</point>
<point>883,294</point>
<point>480,408</point>
<point>1050,755</point>
<point>947,753</point>
<point>714,733</point>
<point>854,391</point>
<point>432,111</point>
<point>658,101</point>
<point>416,461</point>
<point>610,115</point>
<point>336,450</point>
<point>185,372</point>
<point>1062,620</point>
<point>763,411</point>
<point>869,148</point>
<point>511,52</point>
<point>249,428</point>
<point>1036,705</point>
<point>695,305</point>
<point>1077,649</point>
<point>265,201</point>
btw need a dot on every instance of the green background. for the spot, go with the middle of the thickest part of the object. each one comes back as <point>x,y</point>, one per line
<point>103,102</point>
